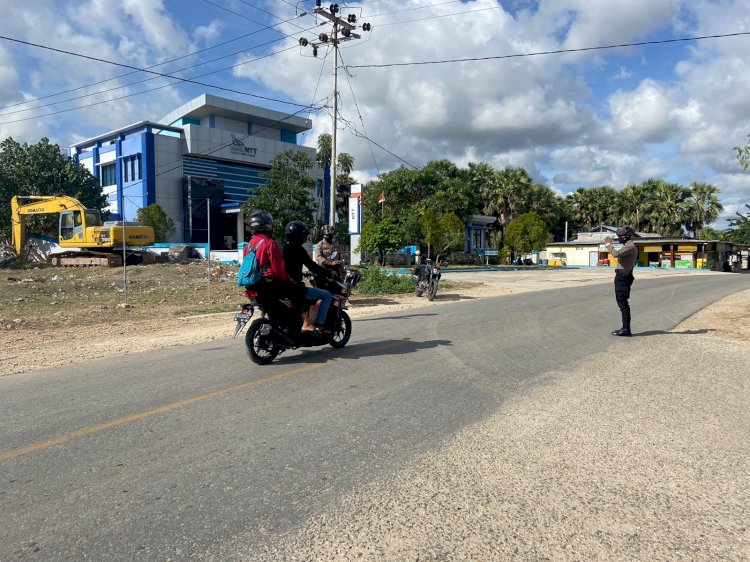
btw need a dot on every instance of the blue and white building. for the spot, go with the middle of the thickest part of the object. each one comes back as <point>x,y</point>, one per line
<point>209,153</point>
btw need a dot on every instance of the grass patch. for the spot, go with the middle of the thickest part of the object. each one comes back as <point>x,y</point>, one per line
<point>374,281</point>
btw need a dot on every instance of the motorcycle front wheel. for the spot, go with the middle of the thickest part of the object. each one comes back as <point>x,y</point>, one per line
<point>341,332</point>
<point>260,348</point>
<point>432,289</point>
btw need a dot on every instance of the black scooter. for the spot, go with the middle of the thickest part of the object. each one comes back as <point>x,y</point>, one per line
<point>279,325</point>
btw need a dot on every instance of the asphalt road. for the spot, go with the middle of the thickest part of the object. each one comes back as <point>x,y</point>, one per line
<point>173,455</point>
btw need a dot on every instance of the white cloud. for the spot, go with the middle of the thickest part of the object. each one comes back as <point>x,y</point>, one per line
<point>208,33</point>
<point>643,115</point>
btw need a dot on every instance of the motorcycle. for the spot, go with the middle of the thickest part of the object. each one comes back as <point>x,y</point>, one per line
<point>426,278</point>
<point>279,325</point>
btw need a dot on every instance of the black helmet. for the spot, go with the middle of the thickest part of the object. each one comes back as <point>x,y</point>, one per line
<point>296,232</point>
<point>625,233</point>
<point>328,231</point>
<point>260,222</point>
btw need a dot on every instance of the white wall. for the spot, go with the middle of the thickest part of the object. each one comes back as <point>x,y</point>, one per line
<point>169,179</point>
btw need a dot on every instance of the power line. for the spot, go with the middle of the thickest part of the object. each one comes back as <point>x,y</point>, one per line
<point>556,52</point>
<point>154,66</point>
<point>356,133</point>
<point>161,74</point>
<point>413,9</point>
<point>153,90</point>
<point>157,77</point>
<point>440,16</point>
<point>232,11</point>
<point>361,120</point>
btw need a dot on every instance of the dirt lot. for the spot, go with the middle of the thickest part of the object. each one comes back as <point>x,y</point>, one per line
<point>51,317</point>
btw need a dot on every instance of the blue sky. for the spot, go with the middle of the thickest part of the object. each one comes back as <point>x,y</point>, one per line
<point>605,117</point>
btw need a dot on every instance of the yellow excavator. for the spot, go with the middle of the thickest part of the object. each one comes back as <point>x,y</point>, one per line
<point>95,243</point>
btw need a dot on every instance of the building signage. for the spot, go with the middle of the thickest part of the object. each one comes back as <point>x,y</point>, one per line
<point>238,147</point>
<point>354,215</point>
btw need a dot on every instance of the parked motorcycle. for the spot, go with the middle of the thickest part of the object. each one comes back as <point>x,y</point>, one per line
<point>279,325</point>
<point>426,278</point>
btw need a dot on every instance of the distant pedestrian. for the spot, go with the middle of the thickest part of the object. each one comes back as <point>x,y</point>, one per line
<point>626,256</point>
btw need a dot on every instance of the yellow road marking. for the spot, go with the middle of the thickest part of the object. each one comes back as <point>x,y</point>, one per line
<point>84,431</point>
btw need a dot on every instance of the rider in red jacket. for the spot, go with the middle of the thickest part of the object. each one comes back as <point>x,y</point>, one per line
<point>276,282</point>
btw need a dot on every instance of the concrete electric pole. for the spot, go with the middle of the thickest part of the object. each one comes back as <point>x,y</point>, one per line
<point>342,31</point>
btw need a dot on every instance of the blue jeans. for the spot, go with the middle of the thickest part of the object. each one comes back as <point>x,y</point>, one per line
<point>314,294</point>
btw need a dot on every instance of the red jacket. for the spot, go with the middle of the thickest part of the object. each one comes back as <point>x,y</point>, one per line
<point>269,253</point>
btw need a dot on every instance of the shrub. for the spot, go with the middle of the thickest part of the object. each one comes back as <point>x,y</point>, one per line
<point>375,281</point>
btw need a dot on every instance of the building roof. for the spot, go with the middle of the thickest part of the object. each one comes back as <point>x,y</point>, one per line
<point>208,104</point>
<point>126,129</point>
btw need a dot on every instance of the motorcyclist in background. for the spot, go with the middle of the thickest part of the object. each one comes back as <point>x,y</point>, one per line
<point>328,253</point>
<point>295,256</point>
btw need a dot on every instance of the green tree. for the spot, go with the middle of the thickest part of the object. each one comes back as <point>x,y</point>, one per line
<point>526,233</point>
<point>42,169</point>
<point>344,167</point>
<point>739,228</point>
<point>287,195</point>
<point>708,233</point>
<point>155,217</point>
<point>703,206</point>
<point>382,237</point>
<point>670,208</point>
<point>430,229</point>
<point>743,155</point>
<point>451,235</point>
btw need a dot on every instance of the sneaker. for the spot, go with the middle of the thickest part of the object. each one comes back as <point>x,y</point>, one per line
<point>622,332</point>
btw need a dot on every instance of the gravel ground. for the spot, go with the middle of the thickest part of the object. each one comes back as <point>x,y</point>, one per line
<point>626,463</point>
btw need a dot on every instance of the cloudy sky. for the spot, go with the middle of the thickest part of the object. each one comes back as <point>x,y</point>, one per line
<point>576,119</point>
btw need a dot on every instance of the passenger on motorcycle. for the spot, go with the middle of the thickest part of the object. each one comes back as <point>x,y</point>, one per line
<point>328,253</point>
<point>276,283</point>
<point>295,256</point>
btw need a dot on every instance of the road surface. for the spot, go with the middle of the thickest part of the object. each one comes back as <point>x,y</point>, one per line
<point>196,452</point>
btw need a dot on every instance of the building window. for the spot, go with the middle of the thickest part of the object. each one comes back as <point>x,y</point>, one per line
<point>476,240</point>
<point>131,168</point>
<point>109,175</point>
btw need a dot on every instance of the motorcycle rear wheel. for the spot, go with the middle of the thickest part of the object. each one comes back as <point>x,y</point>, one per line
<point>341,332</point>
<point>432,290</point>
<point>260,348</point>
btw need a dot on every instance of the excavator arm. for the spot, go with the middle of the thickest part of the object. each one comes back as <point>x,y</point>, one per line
<point>22,205</point>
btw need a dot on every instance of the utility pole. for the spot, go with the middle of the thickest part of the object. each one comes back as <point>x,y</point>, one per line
<point>342,31</point>
<point>332,198</point>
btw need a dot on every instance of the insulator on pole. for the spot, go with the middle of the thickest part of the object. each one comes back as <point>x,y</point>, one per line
<point>334,8</point>
<point>346,32</point>
<point>315,51</point>
<point>323,37</point>
<point>303,42</point>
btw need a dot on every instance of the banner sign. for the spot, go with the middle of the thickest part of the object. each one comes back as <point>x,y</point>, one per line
<point>354,215</point>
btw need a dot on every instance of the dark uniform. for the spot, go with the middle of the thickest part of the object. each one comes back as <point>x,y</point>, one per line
<point>627,256</point>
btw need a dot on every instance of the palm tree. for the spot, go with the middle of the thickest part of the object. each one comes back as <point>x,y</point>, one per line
<point>634,206</point>
<point>344,167</point>
<point>703,206</point>
<point>670,210</point>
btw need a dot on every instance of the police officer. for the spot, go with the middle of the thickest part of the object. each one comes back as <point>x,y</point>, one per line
<point>626,256</point>
<point>328,253</point>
